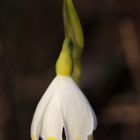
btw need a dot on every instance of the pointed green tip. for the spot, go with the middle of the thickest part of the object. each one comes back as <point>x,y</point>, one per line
<point>73,28</point>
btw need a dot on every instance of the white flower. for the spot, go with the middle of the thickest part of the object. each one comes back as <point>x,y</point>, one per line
<point>63,106</point>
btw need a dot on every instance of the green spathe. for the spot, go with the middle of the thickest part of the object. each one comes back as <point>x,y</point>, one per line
<point>73,29</point>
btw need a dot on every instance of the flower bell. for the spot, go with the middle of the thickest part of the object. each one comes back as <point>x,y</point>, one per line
<point>63,105</point>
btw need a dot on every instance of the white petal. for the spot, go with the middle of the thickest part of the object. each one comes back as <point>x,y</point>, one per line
<point>37,118</point>
<point>52,124</point>
<point>79,118</point>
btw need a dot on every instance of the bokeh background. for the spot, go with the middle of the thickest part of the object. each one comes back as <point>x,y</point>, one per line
<point>31,35</point>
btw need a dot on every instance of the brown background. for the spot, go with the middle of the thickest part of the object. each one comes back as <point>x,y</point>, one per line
<point>31,35</point>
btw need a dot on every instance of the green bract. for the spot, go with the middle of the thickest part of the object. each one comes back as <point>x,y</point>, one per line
<point>73,31</point>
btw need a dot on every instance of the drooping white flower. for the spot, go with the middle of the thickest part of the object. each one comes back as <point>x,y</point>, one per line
<point>63,105</point>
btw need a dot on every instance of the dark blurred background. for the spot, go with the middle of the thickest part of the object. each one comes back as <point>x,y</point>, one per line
<point>31,35</point>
